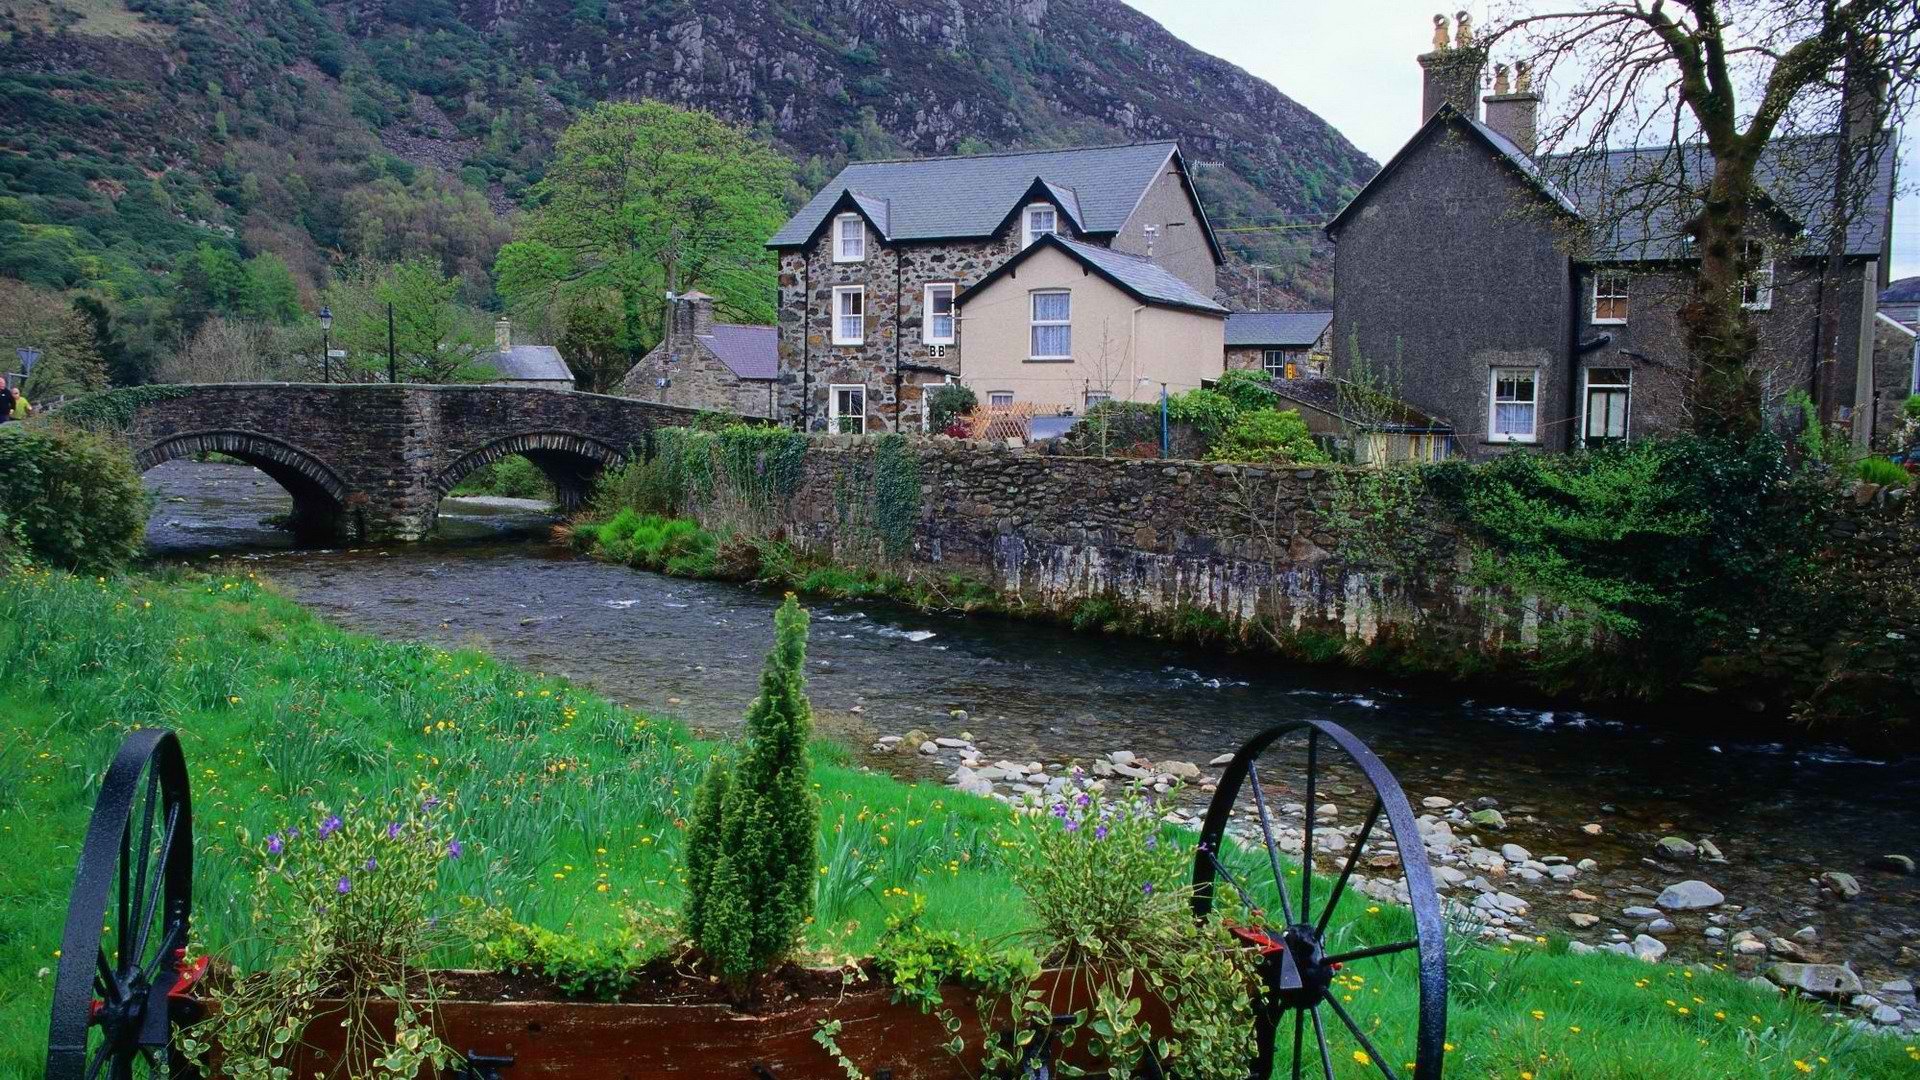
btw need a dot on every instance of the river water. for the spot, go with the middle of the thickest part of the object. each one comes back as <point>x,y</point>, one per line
<point>1782,813</point>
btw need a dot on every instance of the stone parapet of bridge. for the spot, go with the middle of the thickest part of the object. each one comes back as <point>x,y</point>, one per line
<point>373,461</point>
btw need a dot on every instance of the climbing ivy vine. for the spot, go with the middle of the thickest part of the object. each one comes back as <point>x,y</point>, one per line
<point>112,410</point>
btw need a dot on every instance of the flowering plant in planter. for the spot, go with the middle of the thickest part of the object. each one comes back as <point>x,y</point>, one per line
<point>344,905</point>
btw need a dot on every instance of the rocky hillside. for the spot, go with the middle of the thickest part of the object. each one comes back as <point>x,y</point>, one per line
<point>134,130</point>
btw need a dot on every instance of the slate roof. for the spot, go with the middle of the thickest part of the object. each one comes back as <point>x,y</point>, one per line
<point>949,198</point>
<point>1277,329</point>
<point>1323,393</point>
<point>1446,116</point>
<point>750,352</point>
<point>1135,275</point>
<point>1905,290</point>
<point>1795,174</point>
<point>529,363</point>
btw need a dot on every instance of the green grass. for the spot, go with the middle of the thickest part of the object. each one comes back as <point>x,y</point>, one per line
<point>570,808</point>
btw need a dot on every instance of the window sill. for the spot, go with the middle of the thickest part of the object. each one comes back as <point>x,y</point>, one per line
<point>1530,441</point>
<point>1049,360</point>
<point>1606,322</point>
<point>948,342</point>
<point>838,344</point>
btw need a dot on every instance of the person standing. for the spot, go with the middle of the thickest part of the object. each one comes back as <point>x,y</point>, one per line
<point>20,407</point>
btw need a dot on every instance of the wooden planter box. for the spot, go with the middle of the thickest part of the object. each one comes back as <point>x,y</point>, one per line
<point>641,1040</point>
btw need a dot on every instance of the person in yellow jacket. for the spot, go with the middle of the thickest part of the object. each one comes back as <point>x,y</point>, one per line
<point>20,408</point>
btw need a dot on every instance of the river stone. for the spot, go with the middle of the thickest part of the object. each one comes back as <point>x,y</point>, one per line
<point>1675,848</point>
<point>929,748</point>
<point>1710,851</point>
<point>1785,949</point>
<point>1515,853</point>
<point>1893,864</point>
<point>967,780</point>
<point>1660,926</point>
<point>1182,770</point>
<point>959,716</point>
<point>1897,988</point>
<point>1689,895</point>
<point>1435,802</point>
<point>1582,920</point>
<point>1121,757</point>
<point>1820,980</point>
<point>1844,885</point>
<point>1592,828</point>
<point>1886,1014</point>
<point>1223,759</point>
<point>1488,818</point>
<point>950,743</point>
<point>1562,872</point>
<point>1750,947</point>
<point>1648,948</point>
<point>1581,948</point>
<point>1640,911</point>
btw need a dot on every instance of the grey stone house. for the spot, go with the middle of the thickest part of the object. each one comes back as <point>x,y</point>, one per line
<point>703,364</point>
<point>871,266</point>
<point>1534,302</point>
<point>1900,302</point>
<point>1283,344</point>
<point>525,365</point>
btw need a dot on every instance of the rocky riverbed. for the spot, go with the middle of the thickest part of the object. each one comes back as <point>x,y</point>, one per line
<point>1657,904</point>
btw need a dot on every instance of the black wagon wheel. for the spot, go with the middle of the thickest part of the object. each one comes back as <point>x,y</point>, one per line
<point>1305,945</point>
<point>123,981</point>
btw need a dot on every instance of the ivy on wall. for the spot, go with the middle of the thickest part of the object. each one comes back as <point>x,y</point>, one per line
<point>112,410</point>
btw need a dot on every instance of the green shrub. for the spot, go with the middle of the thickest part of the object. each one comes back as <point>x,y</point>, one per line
<point>752,845</point>
<point>74,496</point>
<point>1128,428</point>
<point>1267,435</point>
<point>1878,470</point>
<point>1912,408</point>
<point>512,477</point>
<point>948,403</point>
<point>602,969</point>
<point>1247,389</point>
<point>1208,412</point>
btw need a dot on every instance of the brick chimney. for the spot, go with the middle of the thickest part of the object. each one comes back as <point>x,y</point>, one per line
<point>1451,72</point>
<point>1863,108</point>
<point>1514,111</point>
<point>700,308</point>
<point>503,335</point>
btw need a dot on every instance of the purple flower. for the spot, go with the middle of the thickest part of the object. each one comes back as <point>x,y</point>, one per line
<point>1100,833</point>
<point>275,845</point>
<point>293,834</point>
<point>1072,825</point>
<point>1059,809</point>
<point>330,826</point>
<point>344,887</point>
<point>432,801</point>
<point>369,865</point>
<point>453,849</point>
<point>1147,889</point>
<point>1083,799</point>
<point>393,830</point>
<point>1152,842</point>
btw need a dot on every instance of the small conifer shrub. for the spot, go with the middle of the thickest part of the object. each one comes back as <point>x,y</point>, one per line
<point>751,847</point>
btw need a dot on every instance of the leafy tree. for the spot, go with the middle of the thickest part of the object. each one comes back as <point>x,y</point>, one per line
<point>751,849</point>
<point>435,338</point>
<point>1267,435</point>
<point>70,361</point>
<point>270,292</point>
<point>643,198</point>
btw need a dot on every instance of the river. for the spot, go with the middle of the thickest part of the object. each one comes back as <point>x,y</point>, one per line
<point>1781,812</point>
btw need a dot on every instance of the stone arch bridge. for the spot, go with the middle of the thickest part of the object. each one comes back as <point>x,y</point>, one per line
<point>373,461</point>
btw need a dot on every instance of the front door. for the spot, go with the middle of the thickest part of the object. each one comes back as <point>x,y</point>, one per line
<point>1609,393</point>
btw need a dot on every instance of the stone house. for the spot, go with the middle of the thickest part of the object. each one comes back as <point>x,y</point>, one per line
<point>1900,302</point>
<point>1090,324</point>
<point>1893,381</point>
<point>703,364</point>
<point>1283,344</point>
<point>872,267</point>
<point>1535,302</point>
<point>525,365</point>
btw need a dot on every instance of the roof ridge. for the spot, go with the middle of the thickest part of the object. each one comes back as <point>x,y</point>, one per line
<point>1012,153</point>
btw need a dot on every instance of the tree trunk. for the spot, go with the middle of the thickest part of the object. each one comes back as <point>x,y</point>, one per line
<point>1726,396</point>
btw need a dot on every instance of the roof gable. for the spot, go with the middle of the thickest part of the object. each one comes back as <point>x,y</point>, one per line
<point>750,352</point>
<point>1447,118</point>
<point>1138,277</point>
<point>1098,187</point>
<point>529,363</point>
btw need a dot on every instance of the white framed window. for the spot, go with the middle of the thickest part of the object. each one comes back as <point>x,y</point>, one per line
<point>1000,399</point>
<point>938,327</point>
<point>849,239</point>
<point>1052,334</point>
<point>850,315</point>
<point>1281,363</point>
<point>1609,298</point>
<point>1095,397</point>
<point>1513,415</point>
<point>847,409</point>
<point>1037,221</point>
<point>1609,397</point>
<point>1756,289</point>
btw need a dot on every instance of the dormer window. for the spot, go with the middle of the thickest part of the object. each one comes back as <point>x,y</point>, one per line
<point>1039,220</point>
<point>849,239</point>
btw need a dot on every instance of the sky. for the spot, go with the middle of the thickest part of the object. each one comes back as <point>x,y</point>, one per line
<point>1351,61</point>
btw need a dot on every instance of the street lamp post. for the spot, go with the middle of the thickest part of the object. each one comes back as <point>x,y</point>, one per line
<point>326,345</point>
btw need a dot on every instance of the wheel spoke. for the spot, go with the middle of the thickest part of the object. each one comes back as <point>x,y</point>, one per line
<point>105,978</point>
<point>1365,1043</point>
<point>1299,1029</point>
<point>152,895</point>
<point>100,1058</point>
<point>1273,850</point>
<point>1233,881</point>
<point>1347,870</point>
<point>1306,846</point>
<point>176,936</point>
<point>130,902</point>
<point>1320,1036</point>
<point>1373,950</point>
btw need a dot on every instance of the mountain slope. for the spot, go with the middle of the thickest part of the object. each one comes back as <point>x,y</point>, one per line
<point>133,130</point>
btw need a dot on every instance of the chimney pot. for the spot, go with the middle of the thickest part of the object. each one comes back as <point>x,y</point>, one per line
<point>1451,76</point>
<point>1515,112</point>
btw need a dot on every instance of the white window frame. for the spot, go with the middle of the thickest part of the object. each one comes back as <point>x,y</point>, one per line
<point>999,399</point>
<point>840,338</point>
<point>1034,322</point>
<point>1297,358</point>
<point>859,238</point>
<point>1620,291</point>
<point>1095,397</point>
<point>1586,400</point>
<point>1759,278</point>
<point>927,333</point>
<point>1532,434</point>
<point>1027,233</point>
<point>835,416</point>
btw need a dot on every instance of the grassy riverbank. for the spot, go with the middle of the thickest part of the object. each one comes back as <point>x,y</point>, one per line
<point>571,811</point>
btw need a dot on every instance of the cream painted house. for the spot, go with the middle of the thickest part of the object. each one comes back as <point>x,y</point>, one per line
<point>1064,324</point>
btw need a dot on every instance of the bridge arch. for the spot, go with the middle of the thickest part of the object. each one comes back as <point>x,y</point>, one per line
<point>570,460</point>
<point>321,499</point>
